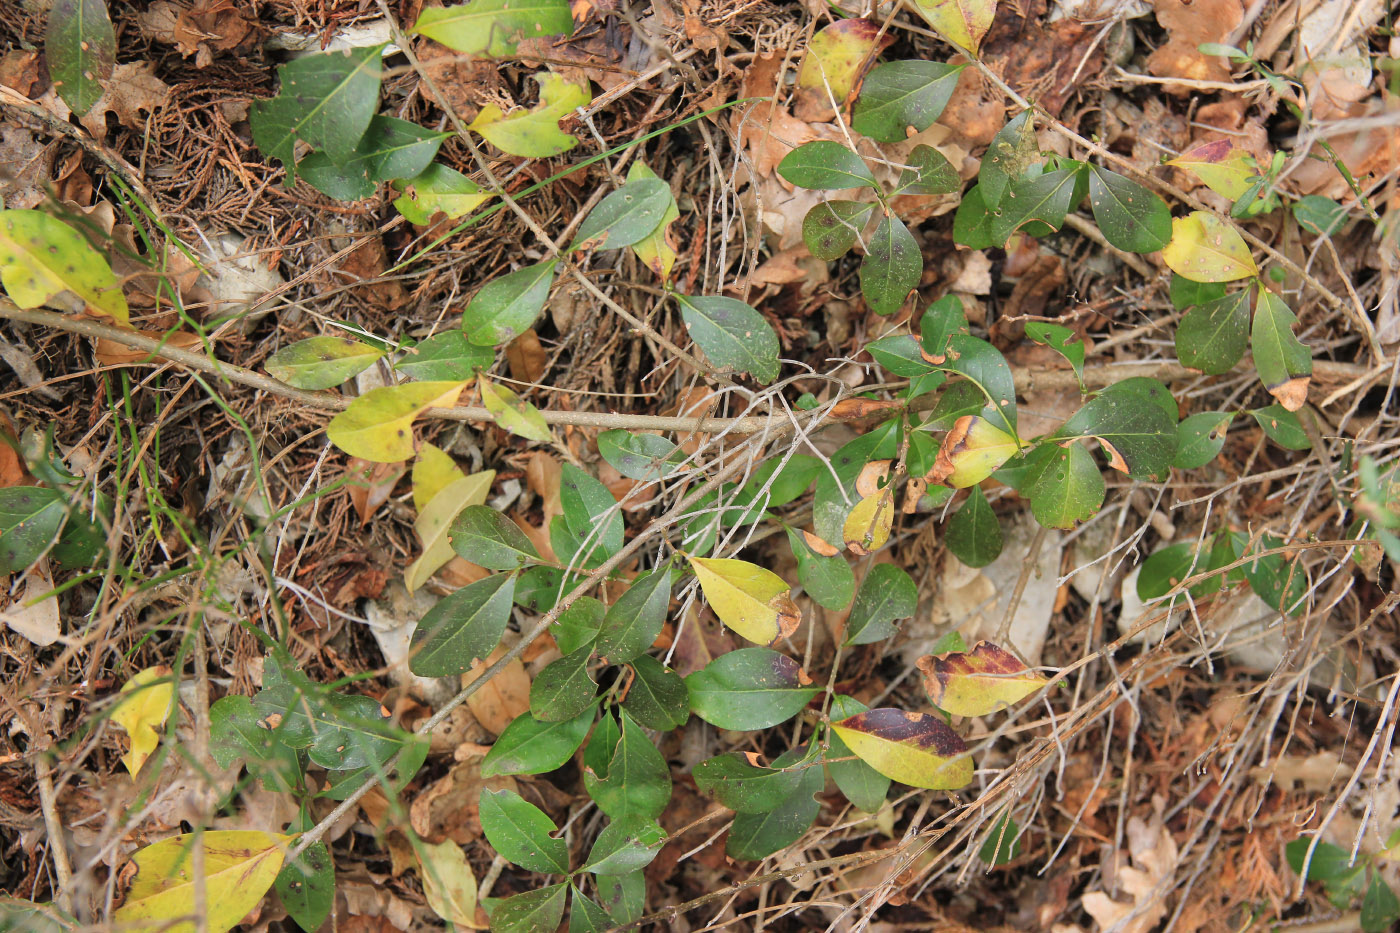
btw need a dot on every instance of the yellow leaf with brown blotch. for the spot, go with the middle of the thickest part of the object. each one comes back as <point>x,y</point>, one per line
<point>977,682</point>
<point>962,22</point>
<point>750,600</point>
<point>1204,248</point>
<point>971,452</point>
<point>868,526</point>
<point>145,706</point>
<point>238,865</point>
<point>917,749</point>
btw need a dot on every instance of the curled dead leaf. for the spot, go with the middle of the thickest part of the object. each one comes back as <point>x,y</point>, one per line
<point>874,476</point>
<point>1291,393</point>
<point>819,545</point>
<point>1115,459</point>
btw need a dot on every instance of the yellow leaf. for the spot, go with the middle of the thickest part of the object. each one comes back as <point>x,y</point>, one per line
<point>436,518</point>
<point>1205,248</point>
<point>448,883</point>
<point>41,258</point>
<point>515,414</point>
<point>750,600</point>
<point>378,426</point>
<point>962,22</point>
<point>147,700</point>
<point>656,249</point>
<point>868,526</point>
<point>1226,169</point>
<point>971,452</point>
<point>837,55</point>
<point>239,867</point>
<point>534,134</point>
<point>977,682</point>
<point>917,749</point>
<point>432,471</point>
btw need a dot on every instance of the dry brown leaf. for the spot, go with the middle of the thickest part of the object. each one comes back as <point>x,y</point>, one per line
<point>371,485</point>
<point>526,357</point>
<point>543,475</point>
<point>365,264</point>
<point>26,164</point>
<point>1190,23</point>
<point>111,353</point>
<point>132,89</point>
<point>208,26</point>
<point>503,697</point>
<point>1154,857</point>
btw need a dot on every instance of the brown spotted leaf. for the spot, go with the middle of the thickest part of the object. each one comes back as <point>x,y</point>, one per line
<point>977,682</point>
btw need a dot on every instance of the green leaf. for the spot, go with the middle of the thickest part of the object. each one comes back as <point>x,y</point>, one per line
<point>41,257</point>
<point>1199,438</point>
<point>930,173</point>
<point>342,732</point>
<point>564,688</point>
<point>899,355</point>
<point>1328,862</point>
<point>587,917</point>
<point>832,227</point>
<point>625,216</point>
<point>1165,568</point>
<point>732,334</point>
<point>80,50</point>
<point>658,698</point>
<point>1279,582</point>
<point>321,362</point>
<point>886,595</point>
<point>445,357</point>
<point>1045,198</point>
<point>326,101</point>
<point>306,887</point>
<point>463,627</point>
<point>863,786</point>
<point>898,95</point>
<point>744,787</point>
<point>578,625</point>
<point>635,620</point>
<point>625,846</point>
<point>984,365</point>
<point>1282,427</point>
<point>1010,156</point>
<point>789,480</point>
<point>639,456</point>
<point>638,781</point>
<point>529,746</point>
<point>1211,336</point>
<point>494,28</point>
<point>513,413</point>
<point>1319,215</point>
<point>484,536</point>
<point>1187,294</point>
<point>535,134</point>
<point>972,222</point>
<point>973,533</point>
<point>30,520</point>
<point>1138,436</point>
<point>759,835</point>
<point>537,911</point>
<point>378,426</point>
<point>1003,843</point>
<point>892,266</point>
<point>656,249</point>
<point>237,734</point>
<point>590,513</point>
<point>750,688</point>
<point>622,896</point>
<point>1284,364</point>
<point>826,165</point>
<point>830,581</point>
<point>521,833</point>
<point>1064,485</point>
<point>391,148</point>
<point>1062,340</point>
<point>507,305</point>
<point>439,188</point>
<point>1379,907</point>
<point>1130,216</point>
<point>943,319</point>
<point>1147,389</point>
<point>1205,248</point>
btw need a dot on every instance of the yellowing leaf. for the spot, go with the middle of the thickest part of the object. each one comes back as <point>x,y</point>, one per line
<point>239,867</point>
<point>534,134</point>
<point>656,249</point>
<point>435,518</point>
<point>977,682</point>
<point>868,526</point>
<point>515,414</point>
<point>1226,169</point>
<point>448,883</point>
<point>971,451</point>
<point>439,188</point>
<point>432,471</point>
<point>837,56</point>
<point>962,22</point>
<point>41,257</point>
<point>1206,249</point>
<point>917,749</point>
<point>144,707</point>
<point>378,426</point>
<point>750,600</point>
<point>494,28</point>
